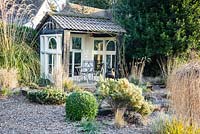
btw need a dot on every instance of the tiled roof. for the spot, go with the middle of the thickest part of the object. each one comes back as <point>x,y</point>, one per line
<point>86,23</point>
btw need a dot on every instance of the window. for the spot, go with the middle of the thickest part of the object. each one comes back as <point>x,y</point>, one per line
<point>77,62</point>
<point>98,60</point>
<point>52,43</point>
<point>104,52</point>
<point>51,63</point>
<point>98,45</point>
<point>50,55</point>
<point>74,61</point>
<point>110,45</point>
<point>113,61</point>
<point>76,43</point>
<point>110,61</point>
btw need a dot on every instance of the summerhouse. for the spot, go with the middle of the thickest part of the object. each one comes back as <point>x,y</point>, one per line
<point>71,43</point>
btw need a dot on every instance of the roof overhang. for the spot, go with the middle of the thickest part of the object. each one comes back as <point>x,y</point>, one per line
<point>83,23</point>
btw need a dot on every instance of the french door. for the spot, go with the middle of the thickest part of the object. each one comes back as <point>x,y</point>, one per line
<point>75,62</point>
<point>110,61</point>
<point>75,56</point>
<point>104,53</point>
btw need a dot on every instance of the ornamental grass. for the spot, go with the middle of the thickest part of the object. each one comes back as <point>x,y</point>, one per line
<point>16,41</point>
<point>184,86</point>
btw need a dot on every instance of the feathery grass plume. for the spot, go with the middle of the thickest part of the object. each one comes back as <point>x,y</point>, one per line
<point>57,77</point>
<point>8,78</point>
<point>158,123</point>
<point>169,64</point>
<point>16,40</point>
<point>119,118</point>
<point>184,86</point>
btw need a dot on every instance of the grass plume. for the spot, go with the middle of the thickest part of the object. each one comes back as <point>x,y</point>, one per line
<point>184,86</point>
<point>17,41</point>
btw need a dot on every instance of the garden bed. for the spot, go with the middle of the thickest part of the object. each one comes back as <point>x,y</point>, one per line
<point>18,115</point>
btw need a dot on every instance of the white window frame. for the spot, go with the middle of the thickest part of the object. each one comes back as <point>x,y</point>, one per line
<point>104,52</point>
<point>111,53</point>
<point>76,50</point>
<point>45,51</point>
<point>53,63</point>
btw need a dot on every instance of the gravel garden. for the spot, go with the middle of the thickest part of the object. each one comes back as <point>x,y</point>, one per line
<point>114,106</point>
<point>25,110</point>
<point>161,40</point>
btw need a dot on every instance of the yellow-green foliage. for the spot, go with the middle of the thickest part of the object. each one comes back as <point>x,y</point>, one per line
<point>69,86</point>
<point>5,92</point>
<point>24,59</point>
<point>120,93</point>
<point>178,127</point>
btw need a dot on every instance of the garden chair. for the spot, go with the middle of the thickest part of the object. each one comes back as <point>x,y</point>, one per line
<point>87,70</point>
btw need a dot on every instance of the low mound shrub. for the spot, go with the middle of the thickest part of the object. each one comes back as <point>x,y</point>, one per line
<point>89,126</point>
<point>48,96</point>
<point>81,105</point>
<point>121,96</point>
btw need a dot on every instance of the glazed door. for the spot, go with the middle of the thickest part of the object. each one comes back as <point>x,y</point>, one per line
<point>75,61</point>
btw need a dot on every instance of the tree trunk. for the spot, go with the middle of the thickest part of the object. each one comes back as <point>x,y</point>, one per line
<point>122,71</point>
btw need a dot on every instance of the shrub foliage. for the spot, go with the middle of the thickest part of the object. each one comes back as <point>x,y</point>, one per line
<point>122,94</point>
<point>47,96</point>
<point>81,105</point>
<point>89,126</point>
<point>174,126</point>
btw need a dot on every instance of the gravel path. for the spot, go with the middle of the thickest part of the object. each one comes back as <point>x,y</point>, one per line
<point>19,116</point>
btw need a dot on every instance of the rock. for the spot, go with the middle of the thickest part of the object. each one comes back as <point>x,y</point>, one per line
<point>105,111</point>
<point>24,92</point>
<point>157,108</point>
<point>150,97</point>
<point>162,86</point>
<point>164,95</point>
<point>165,106</point>
<point>134,118</point>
